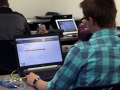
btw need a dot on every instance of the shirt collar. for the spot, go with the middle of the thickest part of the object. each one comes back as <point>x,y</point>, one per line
<point>104,32</point>
<point>5,9</point>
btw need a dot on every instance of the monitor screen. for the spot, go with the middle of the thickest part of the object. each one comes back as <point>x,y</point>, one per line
<point>38,50</point>
<point>67,25</point>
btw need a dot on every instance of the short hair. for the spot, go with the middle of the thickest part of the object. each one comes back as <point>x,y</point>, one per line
<point>102,11</point>
<point>3,2</point>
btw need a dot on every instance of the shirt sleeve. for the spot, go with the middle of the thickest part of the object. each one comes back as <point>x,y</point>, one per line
<point>67,74</point>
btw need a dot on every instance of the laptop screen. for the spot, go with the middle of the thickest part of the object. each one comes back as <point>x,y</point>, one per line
<point>38,50</point>
<point>66,24</point>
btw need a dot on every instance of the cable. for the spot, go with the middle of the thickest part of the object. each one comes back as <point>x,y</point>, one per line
<point>10,83</point>
<point>15,77</point>
<point>21,72</point>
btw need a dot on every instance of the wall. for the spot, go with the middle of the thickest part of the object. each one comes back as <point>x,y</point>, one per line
<point>30,8</point>
<point>67,7</point>
<point>72,6</point>
<point>118,13</point>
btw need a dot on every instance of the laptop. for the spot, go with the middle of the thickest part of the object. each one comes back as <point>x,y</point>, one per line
<point>40,54</point>
<point>68,25</point>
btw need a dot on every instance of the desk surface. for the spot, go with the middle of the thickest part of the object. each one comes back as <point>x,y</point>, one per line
<point>27,86</point>
<point>65,38</point>
<point>34,20</point>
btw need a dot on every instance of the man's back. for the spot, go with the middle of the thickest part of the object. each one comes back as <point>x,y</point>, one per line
<point>100,59</point>
<point>92,63</point>
<point>12,24</point>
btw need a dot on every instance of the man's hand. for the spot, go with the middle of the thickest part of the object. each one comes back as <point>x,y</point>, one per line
<point>83,33</point>
<point>31,77</point>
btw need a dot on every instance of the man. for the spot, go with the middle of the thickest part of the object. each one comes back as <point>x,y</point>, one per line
<point>11,23</point>
<point>92,63</point>
<point>83,33</point>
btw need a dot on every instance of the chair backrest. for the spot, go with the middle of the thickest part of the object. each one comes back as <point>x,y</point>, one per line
<point>8,60</point>
<point>115,86</point>
<point>53,23</point>
<point>52,13</point>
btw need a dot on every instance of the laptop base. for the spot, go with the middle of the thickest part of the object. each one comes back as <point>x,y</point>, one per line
<point>45,74</point>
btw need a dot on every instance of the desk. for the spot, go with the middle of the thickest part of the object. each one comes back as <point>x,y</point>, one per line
<point>33,22</point>
<point>27,86</point>
<point>66,40</point>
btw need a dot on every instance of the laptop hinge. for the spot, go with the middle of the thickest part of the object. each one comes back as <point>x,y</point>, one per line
<point>44,67</point>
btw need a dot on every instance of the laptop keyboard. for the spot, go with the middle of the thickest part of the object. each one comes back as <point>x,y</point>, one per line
<point>46,72</point>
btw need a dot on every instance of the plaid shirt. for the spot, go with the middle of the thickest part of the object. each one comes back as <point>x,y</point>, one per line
<point>96,62</point>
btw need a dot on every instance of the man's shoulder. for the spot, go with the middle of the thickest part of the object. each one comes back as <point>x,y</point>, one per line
<point>83,45</point>
<point>13,14</point>
<point>18,14</point>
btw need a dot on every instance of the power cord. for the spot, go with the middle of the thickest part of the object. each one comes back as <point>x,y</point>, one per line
<point>13,73</point>
<point>15,78</point>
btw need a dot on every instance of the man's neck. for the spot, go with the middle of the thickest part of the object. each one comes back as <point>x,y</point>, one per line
<point>4,6</point>
<point>97,28</point>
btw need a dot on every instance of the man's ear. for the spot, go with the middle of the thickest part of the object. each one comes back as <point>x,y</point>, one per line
<point>92,21</point>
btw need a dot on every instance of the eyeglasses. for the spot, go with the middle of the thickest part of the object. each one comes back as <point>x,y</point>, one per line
<point>83,20</point>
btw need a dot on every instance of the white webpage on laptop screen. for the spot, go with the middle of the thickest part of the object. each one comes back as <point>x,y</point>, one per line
<point>68,25</point>
<point>38,50</point>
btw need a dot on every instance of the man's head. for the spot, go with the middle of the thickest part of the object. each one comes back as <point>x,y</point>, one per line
<point>99,13</point>
<point>4,3</point>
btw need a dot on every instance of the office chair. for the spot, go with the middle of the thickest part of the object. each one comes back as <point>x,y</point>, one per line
<point>115,86</point>
<point>53,23</point>
<point>52,13</point>
<point>8,61</point>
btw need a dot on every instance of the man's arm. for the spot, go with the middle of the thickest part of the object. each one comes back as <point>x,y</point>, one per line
<point>40,84</point>
<point>66,75</point>
<point>27,29</point>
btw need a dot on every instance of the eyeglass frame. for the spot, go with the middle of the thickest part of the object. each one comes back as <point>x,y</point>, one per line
<point>83,19</point>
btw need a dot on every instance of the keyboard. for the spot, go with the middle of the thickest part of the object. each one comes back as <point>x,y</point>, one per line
<point>45,74</point>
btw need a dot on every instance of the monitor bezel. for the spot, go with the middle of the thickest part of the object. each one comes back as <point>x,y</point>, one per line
<point>38,65</point>
<point>59,20</point>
